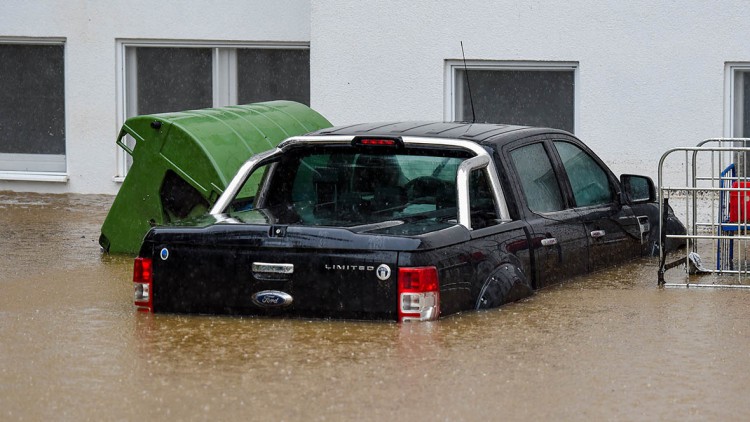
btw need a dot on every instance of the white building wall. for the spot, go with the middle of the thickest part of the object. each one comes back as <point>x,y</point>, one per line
<point>650,74</point>
<point>91,28</point>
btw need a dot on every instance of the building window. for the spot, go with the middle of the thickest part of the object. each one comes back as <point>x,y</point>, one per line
<point>738,97</point>
<point>529,94</point>
<point>273,74</point>
<point>32,110</point>
<point>159,77</point>
<point>171,79</point>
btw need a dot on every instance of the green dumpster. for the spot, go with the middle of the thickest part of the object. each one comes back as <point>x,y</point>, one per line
<point>183,161</point>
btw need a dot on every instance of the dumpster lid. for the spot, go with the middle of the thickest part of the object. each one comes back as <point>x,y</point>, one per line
<point>227,136</point>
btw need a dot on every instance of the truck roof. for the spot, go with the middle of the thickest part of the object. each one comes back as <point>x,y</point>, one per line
<point>481,133</point>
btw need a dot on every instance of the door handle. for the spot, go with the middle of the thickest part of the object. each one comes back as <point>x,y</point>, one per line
<point>550,241</point>
<point>598,233</point>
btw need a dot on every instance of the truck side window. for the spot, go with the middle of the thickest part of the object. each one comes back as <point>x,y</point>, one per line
<point>589,181</point>
<point>538,179</point>
<point>481,200</point>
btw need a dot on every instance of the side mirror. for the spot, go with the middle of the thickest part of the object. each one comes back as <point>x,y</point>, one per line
<point>638,189</point>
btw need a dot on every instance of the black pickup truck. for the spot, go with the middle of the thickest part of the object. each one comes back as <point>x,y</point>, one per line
<point>400,221</point>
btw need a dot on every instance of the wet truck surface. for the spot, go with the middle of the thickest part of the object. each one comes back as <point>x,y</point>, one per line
<point>400,221</point>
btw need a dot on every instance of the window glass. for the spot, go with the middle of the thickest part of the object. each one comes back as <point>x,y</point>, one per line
<point>245,198</point>
<point>481,199</point>
<point>173,79</point>
<point>537,178</point>
<point>162,79</point>
<point>589,181</point>
<point>638,187</point>
<point>521,97</point>
<point>32,107</point>
<point>273,74</point>
<point>353,188</point>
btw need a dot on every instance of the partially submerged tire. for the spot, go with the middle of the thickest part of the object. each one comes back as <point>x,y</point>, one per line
<point>505,285</point>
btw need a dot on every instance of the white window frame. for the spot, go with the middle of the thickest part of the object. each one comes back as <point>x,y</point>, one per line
<point>733,96</point>
<point>453,65</point>
<point>224,76</point>
<point>51,161</point>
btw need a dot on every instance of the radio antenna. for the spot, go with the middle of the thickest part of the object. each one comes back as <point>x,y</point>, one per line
<point>468,85</point>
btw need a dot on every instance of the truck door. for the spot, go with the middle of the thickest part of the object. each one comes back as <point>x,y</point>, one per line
<point>558,239</point>
<point>611,228</point>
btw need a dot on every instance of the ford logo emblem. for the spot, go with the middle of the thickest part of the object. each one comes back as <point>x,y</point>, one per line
<point>272,299</point>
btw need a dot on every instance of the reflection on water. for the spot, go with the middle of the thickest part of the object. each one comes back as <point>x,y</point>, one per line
<point>608,346</point>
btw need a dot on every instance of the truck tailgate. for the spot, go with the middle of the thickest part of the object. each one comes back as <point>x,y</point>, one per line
<point>232,280</point>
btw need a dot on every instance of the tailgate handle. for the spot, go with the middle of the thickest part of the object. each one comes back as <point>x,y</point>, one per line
<point>273,268</point>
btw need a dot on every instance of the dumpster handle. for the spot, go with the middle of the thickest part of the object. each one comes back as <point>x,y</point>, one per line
<point>123,145</point>
<point>124,132</point>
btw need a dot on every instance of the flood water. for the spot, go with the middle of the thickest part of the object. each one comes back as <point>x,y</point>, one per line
<point>610,346</point>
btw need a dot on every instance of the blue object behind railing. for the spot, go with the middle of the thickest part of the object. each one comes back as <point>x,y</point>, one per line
<point>724,226</point>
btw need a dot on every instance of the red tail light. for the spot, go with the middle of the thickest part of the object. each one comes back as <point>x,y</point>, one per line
<point>418,294</point>
<point>143,279</point>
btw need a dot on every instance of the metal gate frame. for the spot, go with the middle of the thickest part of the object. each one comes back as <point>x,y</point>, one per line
<point>716,171</point>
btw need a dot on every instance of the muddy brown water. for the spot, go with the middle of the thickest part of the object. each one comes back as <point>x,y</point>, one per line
<point>609,346</point>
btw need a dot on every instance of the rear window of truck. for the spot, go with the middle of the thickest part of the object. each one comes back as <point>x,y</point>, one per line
<point>346,188</point>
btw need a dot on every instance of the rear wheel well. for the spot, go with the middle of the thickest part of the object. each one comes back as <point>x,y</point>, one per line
<point>506,284</point>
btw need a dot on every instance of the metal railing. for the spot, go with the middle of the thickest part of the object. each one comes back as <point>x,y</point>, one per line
<point>714,200</point>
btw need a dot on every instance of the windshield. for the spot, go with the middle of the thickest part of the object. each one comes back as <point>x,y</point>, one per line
<point>349,187</point>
